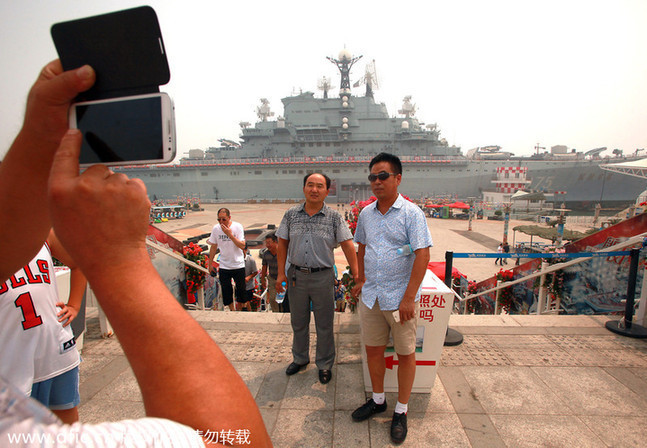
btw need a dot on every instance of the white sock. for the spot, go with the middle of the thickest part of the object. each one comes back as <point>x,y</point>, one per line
<point>401,408</point>
<point>379,398</point>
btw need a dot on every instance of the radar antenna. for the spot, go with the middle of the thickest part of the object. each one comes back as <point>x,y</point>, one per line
<point>408,109</point>
<point>370,79</point>
<point>244,124</point>
<point>325,84</point>
<point>344,64</point>
<point>263,111</point>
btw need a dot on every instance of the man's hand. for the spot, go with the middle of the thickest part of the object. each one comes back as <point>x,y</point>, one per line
<point>49,100</point>
<point>100,217</point>
<point>226,229</point>
<point>407,309</point>
<point>357,289</point>
<point>279,280</point>
<point>67,314</point>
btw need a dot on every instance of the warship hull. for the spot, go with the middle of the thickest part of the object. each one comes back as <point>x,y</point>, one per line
<point>339,136</point>
<point>581,183</point>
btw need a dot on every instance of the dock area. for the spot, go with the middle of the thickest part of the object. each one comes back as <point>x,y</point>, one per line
<point>516,381</point>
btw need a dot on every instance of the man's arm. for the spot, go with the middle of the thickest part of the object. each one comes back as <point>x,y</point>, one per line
<point>253,273</point>
<point>212,254</point>
<point>263,276</point>
<point>407,305</point>
<point>361,276</point>
<point>348,247</point>
<point>182,373</point>
<point>24,217</point>
<point>281,258</point>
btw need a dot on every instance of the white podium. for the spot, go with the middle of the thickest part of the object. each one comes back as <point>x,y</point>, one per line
<point>435,306</point>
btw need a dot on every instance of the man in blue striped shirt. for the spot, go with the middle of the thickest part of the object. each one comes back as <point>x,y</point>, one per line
<point>390,285</point>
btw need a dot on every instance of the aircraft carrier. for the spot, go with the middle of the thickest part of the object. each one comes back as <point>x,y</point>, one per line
<point>339,134</point>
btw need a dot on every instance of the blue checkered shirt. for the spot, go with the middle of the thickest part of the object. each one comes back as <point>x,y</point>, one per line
<point>387,273</point>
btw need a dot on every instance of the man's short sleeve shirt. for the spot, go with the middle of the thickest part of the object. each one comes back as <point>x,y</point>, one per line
<point>231,256</point>
<point>250,268</point>
<point>313,238</point>
<point>387,273</point>
<point>271,262</point>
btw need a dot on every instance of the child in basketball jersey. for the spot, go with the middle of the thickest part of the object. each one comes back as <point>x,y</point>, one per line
<point>39,354</point>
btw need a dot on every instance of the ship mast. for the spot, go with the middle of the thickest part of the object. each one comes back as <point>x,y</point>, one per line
<point>344,63</point>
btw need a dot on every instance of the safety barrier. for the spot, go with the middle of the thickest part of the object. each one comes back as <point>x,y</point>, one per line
<point>546,269</point>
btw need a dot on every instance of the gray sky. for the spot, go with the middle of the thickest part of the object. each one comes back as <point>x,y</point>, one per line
<point>490,72</point>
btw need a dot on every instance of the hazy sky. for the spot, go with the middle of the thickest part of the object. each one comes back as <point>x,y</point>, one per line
<point>489,72</point>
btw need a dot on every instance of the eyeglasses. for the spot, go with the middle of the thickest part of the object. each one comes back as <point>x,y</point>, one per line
<point>222,219</point>
<point>382,175</point>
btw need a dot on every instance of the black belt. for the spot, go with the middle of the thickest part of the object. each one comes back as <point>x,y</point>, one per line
<point>308,270</point>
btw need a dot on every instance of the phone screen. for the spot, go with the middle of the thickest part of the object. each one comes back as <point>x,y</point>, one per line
<point>129,130</point>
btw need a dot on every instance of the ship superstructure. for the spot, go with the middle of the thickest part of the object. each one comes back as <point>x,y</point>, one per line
<point>339,135</point>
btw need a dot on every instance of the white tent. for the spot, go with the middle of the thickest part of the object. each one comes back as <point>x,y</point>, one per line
<point>636,168</point>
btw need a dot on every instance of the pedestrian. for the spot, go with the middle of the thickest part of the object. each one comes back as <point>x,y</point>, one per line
<point>499,250</point>
<point>506,249</point>
<point>250,273</point>
<point>390,286</point>
<point>229,237</point>
<point>308,235</point>
<point>270,270</point>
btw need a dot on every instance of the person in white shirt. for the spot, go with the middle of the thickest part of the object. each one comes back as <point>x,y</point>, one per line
<point>229,237</point>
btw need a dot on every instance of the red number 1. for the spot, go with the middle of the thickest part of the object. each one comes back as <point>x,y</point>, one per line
<point>26,305</point>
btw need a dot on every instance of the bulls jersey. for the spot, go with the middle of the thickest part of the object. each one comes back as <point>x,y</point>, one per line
<point>34,346</point>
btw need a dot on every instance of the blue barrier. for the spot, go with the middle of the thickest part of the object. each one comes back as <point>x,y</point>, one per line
<point>618,253</point>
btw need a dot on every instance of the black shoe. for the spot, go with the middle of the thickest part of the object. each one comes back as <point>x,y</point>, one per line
<point>367,409</point>
<point>325,376</point>
<point>294,368</point>
<point>398,428</point>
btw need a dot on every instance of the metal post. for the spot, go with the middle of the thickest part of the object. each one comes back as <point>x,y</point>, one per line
<point>625,326</point>
<point>639,318</point>
<point>496,301</point>
<point>541,297</point>
<point>506,222</point>
<point>560,226</point>
<point>452,337</point>
<point>200,297</point>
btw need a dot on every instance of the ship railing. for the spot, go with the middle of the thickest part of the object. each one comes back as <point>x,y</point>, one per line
<point>313,159</point>
<point>544,306</point>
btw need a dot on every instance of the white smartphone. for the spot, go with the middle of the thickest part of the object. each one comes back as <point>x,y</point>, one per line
<point>396,315</point>
<point>138,129</point>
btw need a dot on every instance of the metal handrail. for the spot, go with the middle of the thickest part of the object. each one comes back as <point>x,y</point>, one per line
<point>556,267</point>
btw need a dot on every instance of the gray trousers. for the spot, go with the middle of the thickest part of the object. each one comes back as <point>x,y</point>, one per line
<point>317,288</point>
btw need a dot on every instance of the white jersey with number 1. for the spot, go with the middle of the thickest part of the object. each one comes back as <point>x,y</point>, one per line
<point>34,346</point>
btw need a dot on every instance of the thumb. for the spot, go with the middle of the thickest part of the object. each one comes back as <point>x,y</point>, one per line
<point>62,87</point>
<point>65,165</point>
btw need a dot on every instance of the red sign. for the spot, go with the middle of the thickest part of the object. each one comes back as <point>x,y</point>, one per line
<point>390,362</point>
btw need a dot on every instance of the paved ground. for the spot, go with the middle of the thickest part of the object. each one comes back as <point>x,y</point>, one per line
<point>517,381</point>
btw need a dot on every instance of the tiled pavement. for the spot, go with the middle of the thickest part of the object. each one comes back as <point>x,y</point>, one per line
<point>516,381</point>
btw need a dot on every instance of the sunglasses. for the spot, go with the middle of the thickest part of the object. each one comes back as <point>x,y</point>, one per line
<point>382,175</point>
<point>222,219</point>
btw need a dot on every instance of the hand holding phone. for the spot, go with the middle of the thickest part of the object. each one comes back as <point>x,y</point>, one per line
<point>137,129</point>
